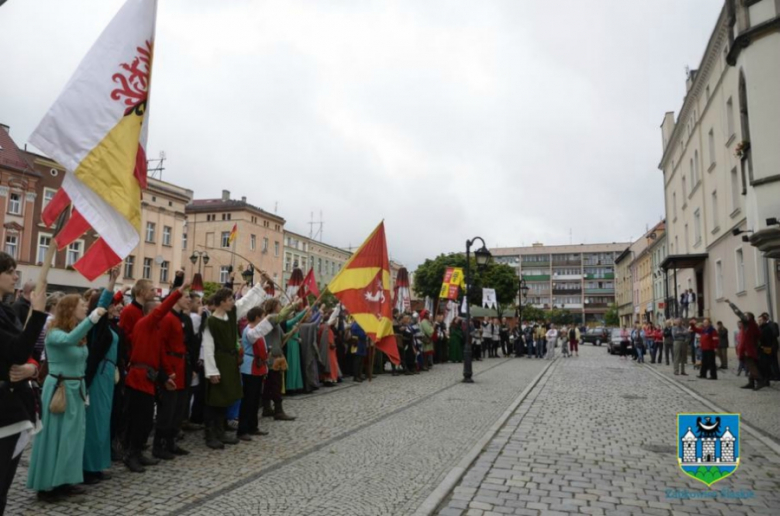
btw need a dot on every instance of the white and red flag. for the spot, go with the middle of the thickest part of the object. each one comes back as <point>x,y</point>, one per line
<point>97,130</point>
<point>309,286</point>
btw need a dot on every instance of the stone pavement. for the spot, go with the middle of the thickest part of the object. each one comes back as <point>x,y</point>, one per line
<point>597,436</point>
<point>377,448</point>
<point>759,408</point>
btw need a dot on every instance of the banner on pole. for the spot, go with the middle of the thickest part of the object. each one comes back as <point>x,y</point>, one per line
<point>489,298</point>
<point>453,281</point>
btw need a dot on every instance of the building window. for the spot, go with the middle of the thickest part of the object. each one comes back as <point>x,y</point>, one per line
<point>715,218</point>
<point>74,254</point>
<point>276,248</point>
<point>687,238</point>
<point>685,190</point>
<point>147,272</point>
<point>167,236</point>
<point>12,245</point>
<point>225,239</point>
<point>730,118</point>
<point>130,267</point>
<point>164,272</point>
<point>707,92</point>
<point>150,226</point>
<point>735,189</point>
<point>224,274</point>
<point>319,265</point>
<point>184,241</point>
<point>48,195</point>
<point>15,204</point>
<point>287,262</point>
<point>695,168</point>
<point>718,279</point>
<point>265,245</point>
<point>760,272</point>
<point>252,242</point>
<point>711,139</point>
<point>674,204</point>
<point>740,270</point>
<point>44,241</point>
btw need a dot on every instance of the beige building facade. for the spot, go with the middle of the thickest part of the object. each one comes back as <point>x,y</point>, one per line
<point>304,253</point>
<point>578,278</point>
<point>259,239</point>
<point>711,174</point>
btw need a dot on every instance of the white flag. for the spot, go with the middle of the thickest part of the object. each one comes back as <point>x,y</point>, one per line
<point>489,298</point>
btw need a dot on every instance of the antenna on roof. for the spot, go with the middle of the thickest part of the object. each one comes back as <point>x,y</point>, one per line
<point>319,233</point>
<point>157,170</point>
<point>276,206</point>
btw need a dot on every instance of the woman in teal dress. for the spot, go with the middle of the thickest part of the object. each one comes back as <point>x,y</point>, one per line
<point>294,375</point>
<point>101,372</point>
<point>58,451</point>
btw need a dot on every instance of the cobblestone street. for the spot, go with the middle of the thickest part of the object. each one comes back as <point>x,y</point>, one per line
<point>597,435</point>
<point>377,448</point>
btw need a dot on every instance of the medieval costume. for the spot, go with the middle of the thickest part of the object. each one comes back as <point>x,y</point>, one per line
<point>254,369</point>
<point>58,453</point>
<point>292,350</point>
<point>101,376</point>
<point>427,339</point>
<point>310,355</point>
<point>456,341</point>
<point>271,330</point>
<point>221,358</point>
<point>359,350</point>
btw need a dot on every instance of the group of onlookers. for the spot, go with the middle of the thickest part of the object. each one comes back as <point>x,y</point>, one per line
<point>756,346</point>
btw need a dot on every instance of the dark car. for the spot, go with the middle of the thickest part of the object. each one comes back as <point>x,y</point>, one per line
<point>613,345</point>
<point>596,336</point>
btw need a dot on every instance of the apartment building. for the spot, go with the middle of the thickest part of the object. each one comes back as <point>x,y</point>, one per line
<point>579,278</point>
<point>304,253</point>
<point>720,167</point>
<point>657,250</point>
<point>259,239</point>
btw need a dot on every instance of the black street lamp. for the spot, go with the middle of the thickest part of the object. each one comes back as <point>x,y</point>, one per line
<point>522,292</point>
<point>482,257</point>
<point>199,256</point>
<point>249,275</point>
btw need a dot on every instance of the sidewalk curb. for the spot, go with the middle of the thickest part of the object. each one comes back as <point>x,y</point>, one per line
<point>437,496</point>
<point>748,428</point>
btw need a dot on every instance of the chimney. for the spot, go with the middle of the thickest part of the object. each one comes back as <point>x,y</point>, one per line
<point>6,128</point>
<point>225,195</point>
<point>537,244</point>
<point>667,128</point>
<point>243,198</point>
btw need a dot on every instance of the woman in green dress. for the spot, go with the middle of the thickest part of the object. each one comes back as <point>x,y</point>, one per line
<point>456,340</point>
<point>58,452</point>
<point>294,374</point>
<point>101,376</point>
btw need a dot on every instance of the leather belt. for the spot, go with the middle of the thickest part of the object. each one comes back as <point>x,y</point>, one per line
<point>174,354</point>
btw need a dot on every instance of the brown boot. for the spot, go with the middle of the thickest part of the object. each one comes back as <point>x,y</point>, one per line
<point>279,414</point>
<point>267,410</point>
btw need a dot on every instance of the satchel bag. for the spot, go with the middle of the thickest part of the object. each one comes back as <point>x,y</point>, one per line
<point>59,401</point>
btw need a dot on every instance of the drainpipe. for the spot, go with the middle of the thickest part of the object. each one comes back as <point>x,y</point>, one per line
<point>768,289</point>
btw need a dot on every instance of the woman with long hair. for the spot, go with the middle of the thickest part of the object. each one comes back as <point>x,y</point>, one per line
<point>58,451</point>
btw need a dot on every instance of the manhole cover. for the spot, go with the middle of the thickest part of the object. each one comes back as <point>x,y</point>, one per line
<point>660,448</point>
<point>633,397</point>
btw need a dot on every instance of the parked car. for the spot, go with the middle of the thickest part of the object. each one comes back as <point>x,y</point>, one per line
<point>596,336</point>
<point>613,346</point>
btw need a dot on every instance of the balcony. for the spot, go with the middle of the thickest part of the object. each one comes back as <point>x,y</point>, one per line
<point>566,292</point>
<point>597,306</point>
<point>610,291</point>
<point>605,275</point>
<point>540,277</point>
<point>567,263</point>
<point>536,265</point>
<point>567,276</point>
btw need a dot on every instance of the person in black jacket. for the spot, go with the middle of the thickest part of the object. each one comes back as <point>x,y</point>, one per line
<point>18,417</point>
<point>22,305</point>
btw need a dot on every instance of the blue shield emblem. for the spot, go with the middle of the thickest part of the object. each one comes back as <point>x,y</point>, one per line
<point>708,445</point>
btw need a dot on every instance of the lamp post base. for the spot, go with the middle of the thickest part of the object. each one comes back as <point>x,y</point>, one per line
<point>468,380</point>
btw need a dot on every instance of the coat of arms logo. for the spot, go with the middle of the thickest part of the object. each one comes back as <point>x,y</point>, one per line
<point>708,445</point>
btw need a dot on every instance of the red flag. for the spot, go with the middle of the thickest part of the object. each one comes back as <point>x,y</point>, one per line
<point>309,286</point>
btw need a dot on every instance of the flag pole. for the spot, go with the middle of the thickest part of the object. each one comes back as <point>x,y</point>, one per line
<point>51,252</point>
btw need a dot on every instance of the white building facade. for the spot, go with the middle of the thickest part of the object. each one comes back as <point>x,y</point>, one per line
<point>709,184</point>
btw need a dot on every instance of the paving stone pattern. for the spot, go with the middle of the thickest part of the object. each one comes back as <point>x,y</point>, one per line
<point>377,448</point>
<point>759,408</point>
<point>598,436</point>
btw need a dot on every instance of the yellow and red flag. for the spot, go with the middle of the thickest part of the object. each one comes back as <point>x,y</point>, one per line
<point>453,281</point>
<point>363,287</point>
<point>96,129</point>
<point>233,234</point>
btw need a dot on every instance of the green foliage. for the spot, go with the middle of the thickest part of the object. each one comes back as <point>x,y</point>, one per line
<point>708,476</point>
<point>531,313</point>
<point>209,288</point>
<point>611,317</point>
<point>429,276</point>
<point>560,316</point>
<point>328,299</point>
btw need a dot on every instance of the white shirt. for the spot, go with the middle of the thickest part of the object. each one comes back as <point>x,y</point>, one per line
<point>252,299</point>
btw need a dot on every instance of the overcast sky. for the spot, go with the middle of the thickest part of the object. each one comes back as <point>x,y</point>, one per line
<point>513,120</point>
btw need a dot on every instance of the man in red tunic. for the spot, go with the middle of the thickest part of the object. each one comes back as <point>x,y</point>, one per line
<point>145,374</point>
<point>142,293</point>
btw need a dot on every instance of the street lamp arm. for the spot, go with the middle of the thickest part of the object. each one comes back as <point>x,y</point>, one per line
<point>471,242</point>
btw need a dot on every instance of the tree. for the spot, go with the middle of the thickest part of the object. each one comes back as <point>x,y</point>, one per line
<point>611,317</point>
<point>531,313</point>
<point>560,316</point>
<point>209,288</point>
<point>429,276</point>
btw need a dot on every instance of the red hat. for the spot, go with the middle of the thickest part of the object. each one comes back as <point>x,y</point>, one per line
<point>118,298</point>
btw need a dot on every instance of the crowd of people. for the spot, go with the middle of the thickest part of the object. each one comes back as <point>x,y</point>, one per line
<point>708,346</point>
